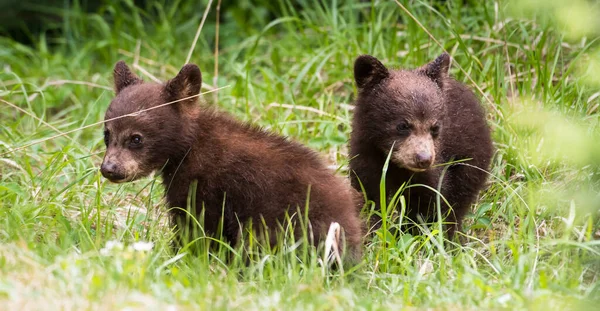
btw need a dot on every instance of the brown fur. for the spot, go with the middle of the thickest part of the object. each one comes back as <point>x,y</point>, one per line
<point>242,173</point>
<point>429,119</point>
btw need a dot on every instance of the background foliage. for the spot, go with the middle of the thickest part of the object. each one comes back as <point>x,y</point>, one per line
<point>70,239</point>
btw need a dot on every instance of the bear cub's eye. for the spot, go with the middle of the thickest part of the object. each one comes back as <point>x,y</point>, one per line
<point>106,136</point>
<point>403,128</point>
<point>435,130</point>
<point>135,141</point>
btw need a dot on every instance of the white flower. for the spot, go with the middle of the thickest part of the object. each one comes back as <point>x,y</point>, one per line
<point>143,246</point>
<point>504,299</point>
<point>110,245</point>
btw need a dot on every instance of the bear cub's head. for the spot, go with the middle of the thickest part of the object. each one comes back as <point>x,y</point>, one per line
<point>138,143</point>
<point>402,109</point>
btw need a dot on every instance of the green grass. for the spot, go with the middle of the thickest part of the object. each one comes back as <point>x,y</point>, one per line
<point>533,238</point>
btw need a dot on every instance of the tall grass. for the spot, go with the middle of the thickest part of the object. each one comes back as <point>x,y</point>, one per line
<point>532,239</point>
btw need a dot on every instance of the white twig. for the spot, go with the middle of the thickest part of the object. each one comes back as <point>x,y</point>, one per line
<point>187,60</point>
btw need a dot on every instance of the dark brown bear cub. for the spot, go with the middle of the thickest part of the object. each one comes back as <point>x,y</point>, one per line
<point>240,172</point>
<point>422,118</point>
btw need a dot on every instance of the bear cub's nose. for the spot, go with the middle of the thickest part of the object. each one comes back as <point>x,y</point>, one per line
<point>110,171</point>
<point>423,159</point>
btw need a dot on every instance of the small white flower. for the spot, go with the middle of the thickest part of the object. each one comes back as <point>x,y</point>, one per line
<point>110,245</point>
<point>143,246</point>
<point>426,267</point>
<point>504,299</point>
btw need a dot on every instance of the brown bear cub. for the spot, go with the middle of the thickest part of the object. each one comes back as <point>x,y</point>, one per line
<point>422,118</point>
<point>240,173</point>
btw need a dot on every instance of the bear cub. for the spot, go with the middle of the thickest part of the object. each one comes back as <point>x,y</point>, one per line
<point>240,173</point>
<point>423,119</point>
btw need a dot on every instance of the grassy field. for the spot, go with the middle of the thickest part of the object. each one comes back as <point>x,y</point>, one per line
<point>71,240</point>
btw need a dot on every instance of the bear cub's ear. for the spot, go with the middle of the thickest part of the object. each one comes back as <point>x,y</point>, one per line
<point>437,70</point>
<point>124,77</point>
<point>187,83</point>
<point>369,71</point>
